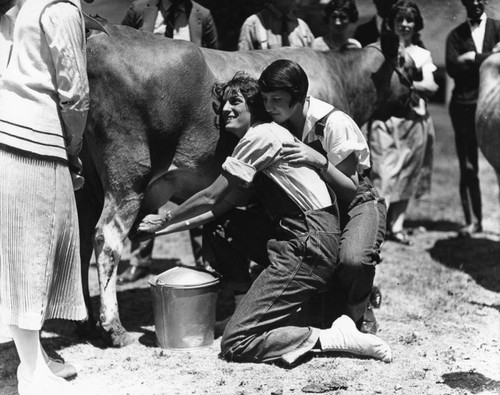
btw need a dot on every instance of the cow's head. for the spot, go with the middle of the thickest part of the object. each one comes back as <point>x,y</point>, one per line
<point>396,100</point>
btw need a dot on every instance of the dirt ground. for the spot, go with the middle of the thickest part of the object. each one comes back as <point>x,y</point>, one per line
<point>440,313</point>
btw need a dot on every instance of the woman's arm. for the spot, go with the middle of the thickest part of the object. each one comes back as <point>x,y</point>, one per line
<point>427,86</point>
<point>199,209</point>
<point>343,178</point>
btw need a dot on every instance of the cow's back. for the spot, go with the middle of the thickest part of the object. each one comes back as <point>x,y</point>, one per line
<point>325,70</point>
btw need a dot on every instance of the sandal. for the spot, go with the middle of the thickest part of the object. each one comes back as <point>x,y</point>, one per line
<point>400,237</point>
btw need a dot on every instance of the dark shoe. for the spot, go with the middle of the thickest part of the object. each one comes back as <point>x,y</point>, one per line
<point>132,273</point>
<point>469,230</point>
<point>399,237</point>
<point>376,298</point>
<point>369,324</point>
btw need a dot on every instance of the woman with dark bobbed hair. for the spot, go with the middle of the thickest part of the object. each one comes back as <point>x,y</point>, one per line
<point>337,15</point>
<point>401,148</point>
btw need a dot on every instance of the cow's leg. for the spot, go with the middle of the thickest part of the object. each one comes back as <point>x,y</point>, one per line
<point>89,201</point>
<point>116,220</point>
<point>111,231</point>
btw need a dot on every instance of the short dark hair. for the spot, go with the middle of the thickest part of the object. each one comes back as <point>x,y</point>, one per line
<point>347,7</point>
<point>285,75</point>
<point>248,87</point>
<point>409,6</point>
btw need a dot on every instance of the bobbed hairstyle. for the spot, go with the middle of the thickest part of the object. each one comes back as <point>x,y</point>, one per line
<point>408,7</point>
<point>241,83</point>
<point>285,75</point>
<point>347,7</point>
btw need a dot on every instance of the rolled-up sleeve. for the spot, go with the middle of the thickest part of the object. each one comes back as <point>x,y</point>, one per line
<point>345,138</point>
<point>63,27</point>
<point>257,150</point>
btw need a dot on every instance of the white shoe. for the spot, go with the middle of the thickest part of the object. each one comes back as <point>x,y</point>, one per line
<point>42,384</point>
<point>344,336</point>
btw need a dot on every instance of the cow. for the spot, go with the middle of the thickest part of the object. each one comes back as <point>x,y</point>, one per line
<point>488,112</point>
<point>151,135</point>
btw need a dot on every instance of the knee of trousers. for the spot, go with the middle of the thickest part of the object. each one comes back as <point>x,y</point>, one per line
<point>352,259</point>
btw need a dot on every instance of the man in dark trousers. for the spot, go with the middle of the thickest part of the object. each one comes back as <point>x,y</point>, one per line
<point>369,32</point>
<point>178,19</point>
<point>466,47</point>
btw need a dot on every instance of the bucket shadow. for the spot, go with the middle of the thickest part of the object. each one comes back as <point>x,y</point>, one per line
<point>473,382</point>
<point>477,257</point>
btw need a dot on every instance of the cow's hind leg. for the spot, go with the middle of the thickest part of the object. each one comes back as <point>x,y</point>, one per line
<point>112,229</point>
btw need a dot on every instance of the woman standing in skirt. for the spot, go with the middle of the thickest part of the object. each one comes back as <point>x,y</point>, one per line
<point>43,107</point>
<point>401,148</point>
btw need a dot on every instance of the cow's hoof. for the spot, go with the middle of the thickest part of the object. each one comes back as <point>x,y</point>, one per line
<point>116,336</point>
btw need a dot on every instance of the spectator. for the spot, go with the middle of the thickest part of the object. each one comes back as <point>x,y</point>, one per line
<point>399,145</point>
<point>43,107</point>
<point>337,15</point>
<point>178,19</point>
<point>273,27</point>
<point>466,47</point>
<point>301,208</point>
<point>369,32</point>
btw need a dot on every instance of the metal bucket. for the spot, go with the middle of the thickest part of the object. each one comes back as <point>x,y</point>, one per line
<point>184,304</point>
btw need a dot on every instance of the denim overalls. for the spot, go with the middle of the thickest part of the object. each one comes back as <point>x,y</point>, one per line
<point>303,256</point>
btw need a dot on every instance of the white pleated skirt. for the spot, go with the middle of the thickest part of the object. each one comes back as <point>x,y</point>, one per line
<point>40,274</point>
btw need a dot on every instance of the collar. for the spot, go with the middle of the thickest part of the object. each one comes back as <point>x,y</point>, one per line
<point>482,19</point>
<point>12,13</point>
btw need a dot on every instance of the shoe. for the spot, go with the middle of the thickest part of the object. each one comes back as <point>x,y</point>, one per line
<point>469,230</point>
<point>343,336</point>
<point>369,324</point>
<point>375,298</point>
<point>400,237</point>
<point>133,273</point>
<point>42,385</point>
<point>61,369</point>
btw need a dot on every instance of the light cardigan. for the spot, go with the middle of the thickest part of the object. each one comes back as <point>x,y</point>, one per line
<point>44,97</point>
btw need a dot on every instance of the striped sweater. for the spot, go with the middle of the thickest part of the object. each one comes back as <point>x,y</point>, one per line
<point>45,78</point>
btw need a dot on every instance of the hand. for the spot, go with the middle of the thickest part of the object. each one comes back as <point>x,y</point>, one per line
<point>496,48</point>
<point>467,57</point>
<point>153,223</point>
<point>300,153</point>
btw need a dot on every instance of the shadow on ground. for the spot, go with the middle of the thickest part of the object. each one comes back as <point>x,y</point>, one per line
<point>473,382</point>
<point>437,226</point>
<point>476,256</point>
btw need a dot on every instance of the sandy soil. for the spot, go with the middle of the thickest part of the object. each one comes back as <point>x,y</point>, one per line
<point>440,313</point>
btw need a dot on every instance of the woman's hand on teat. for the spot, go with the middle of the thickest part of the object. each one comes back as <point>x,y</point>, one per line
<point>152,223</point>
<point>299,153</point>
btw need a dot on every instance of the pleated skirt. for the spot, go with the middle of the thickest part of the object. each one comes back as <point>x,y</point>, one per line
<point>40,274</point>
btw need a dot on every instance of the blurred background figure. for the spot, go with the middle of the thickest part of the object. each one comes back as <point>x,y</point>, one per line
<point>338,14</point>
<point>178,19</point>
<point>369,32</point>
<point>466,47</point>
<point>401,146</point>
<point>273,27</point>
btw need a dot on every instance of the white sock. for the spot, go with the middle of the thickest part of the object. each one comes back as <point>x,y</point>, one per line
<point>344,336</point>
